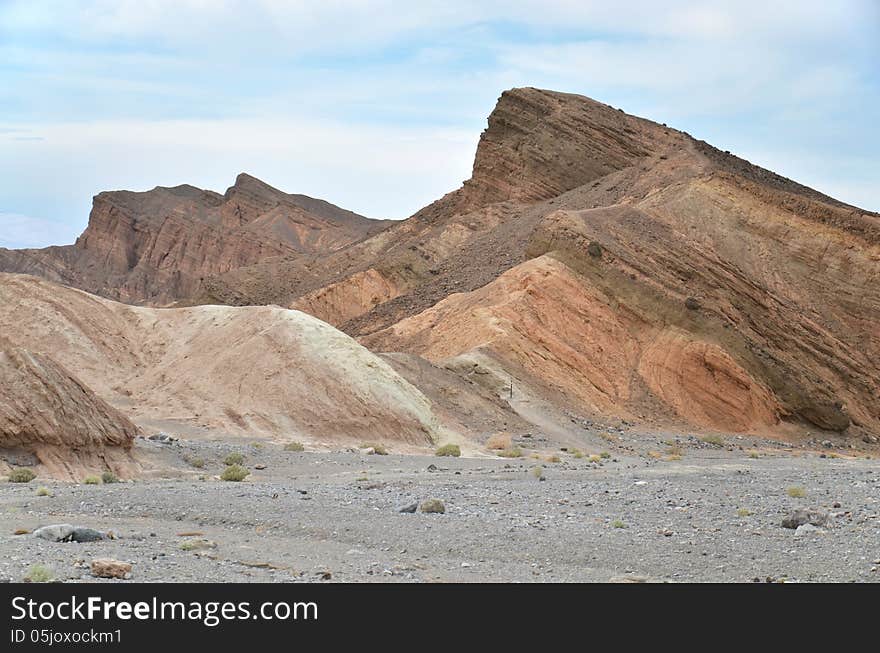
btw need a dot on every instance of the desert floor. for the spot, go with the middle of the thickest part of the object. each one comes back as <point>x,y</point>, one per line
<point>714,514</point>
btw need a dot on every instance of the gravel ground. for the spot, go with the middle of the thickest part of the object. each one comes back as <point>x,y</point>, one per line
<point>713,515</point>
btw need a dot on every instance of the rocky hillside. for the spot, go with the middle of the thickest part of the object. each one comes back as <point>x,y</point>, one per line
<point>49,417</point>
<point>739,299</point>
<point>255,371</point>
<point>156,247</point>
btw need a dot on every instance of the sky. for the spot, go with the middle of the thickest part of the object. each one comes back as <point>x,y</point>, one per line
<point>377,106</point>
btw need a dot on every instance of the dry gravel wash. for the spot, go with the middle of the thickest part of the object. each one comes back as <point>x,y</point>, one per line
<point>310,514</point>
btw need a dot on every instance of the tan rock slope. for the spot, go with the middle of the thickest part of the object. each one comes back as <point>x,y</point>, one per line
<point>51,417</point>
<point>219,370</point>
<point>157,246</point>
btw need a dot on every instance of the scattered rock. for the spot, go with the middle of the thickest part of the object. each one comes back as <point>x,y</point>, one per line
<point>54,532</point>
<point>805,516</point>
<point>594,249</point>
<point>82,534</point>
<point>692,304</point>
<point>432,505</point>
<point>409,507</point>
<point>21,531</point>
<point>260,466</point>
<point>806,529</point>
<point>109,568</point>
<point>163,438</point>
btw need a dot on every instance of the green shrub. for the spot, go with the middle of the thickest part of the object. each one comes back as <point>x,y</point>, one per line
<point>716,440</point>
<point>744,512</point>
<point>21,475</point>
<point>294,446</point>
<point>377,448</point>
<point>43,492</point>
<point>234,459</point>
<point>234,473</point>
<point>513,452</point>
<point>39,574</point>
<point>109,477</point>
<point>448,450</point>
<point>198,463</point>
<point>617,524</point>
<point>92,480</point>
<point>604,455</point>
<point>538,472</point>
<point>796,492</point>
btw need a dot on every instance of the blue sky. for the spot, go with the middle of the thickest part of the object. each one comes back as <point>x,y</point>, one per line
<point>377,106</point>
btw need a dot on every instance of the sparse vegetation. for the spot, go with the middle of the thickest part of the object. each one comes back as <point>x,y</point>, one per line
<point>513,452</point>
<point>754,454</point>
<point>39,574</point>
<point>577,453</point>
<point>109,477</point>
<point>234,459</point>
<point>294,446</point>
<point>617,524</point>
<point>92,480</point>
<point>538,472</point>
<point>378,449</point>
<point>744,512</point>
<point>595,458</point>
<point>448,450</point>
<point>554,459</point>
<point>432,505</point>
<point>715,440</point>
<point>605,455</point>
<point>234,473</point>
<point>499,442</point>
<point>257,445</point>
<point>43,492</point>
<point>796,492</point>
<point>193,461</point>
<point>21,475</point>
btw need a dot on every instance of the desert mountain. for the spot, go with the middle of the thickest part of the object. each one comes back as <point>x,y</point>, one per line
<point>50,417</point>
<point>739,299</point>
<point>215,370</point>
<point>596,262</point>
<point>156,247</point>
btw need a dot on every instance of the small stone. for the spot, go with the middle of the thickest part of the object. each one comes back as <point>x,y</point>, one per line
<point>410,508</point>
<point>54,532</point>
<point>432,506</point>
<point>801,516</point>
<point>109,568</point>
<point>828,444</point>
<point>692,304</point>
<point>83,534</point>
<point>21,531</point>
<point>806,529</point>
<point>260,466</point>
<point>466,565</point>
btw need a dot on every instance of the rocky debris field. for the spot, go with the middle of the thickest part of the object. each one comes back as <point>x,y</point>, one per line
<point>694,512</point>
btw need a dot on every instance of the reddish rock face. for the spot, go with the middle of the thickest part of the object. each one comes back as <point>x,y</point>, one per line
<point>156,247</point>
